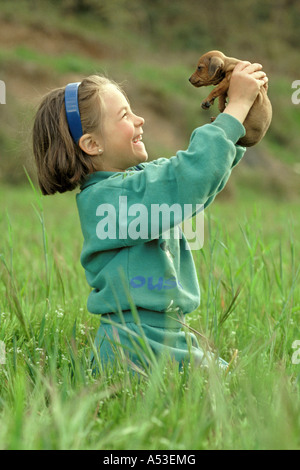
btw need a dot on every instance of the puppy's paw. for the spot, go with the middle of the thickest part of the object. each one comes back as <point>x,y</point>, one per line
<point>206,104</point>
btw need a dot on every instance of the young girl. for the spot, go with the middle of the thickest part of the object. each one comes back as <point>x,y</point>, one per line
<point>87,134</point>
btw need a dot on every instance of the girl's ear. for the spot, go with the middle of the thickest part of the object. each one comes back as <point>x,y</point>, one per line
<point>89,145</point>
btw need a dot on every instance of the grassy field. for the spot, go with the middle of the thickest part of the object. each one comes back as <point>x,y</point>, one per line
<point>248,268</point>
<point>250,310</point>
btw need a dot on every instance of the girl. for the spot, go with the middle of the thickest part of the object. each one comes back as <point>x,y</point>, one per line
<point>140,269</point>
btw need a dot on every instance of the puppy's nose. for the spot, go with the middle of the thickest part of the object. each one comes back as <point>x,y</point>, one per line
<point>190,79</point>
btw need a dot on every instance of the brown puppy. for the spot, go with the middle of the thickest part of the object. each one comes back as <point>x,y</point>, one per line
<point>214,68</point>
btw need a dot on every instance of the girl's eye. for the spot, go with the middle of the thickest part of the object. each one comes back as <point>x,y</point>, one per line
<point>126,113</point>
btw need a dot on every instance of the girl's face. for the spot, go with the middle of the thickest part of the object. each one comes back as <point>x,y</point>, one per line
<point>121,134</point>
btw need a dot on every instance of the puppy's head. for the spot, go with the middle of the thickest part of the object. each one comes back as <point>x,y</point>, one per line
<point>210,69</point>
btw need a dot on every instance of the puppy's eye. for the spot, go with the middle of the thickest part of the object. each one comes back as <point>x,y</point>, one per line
<point>200,67</point>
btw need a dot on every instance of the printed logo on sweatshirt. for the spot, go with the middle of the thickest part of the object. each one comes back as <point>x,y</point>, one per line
<point>151,284</point>
<point>138,221</point>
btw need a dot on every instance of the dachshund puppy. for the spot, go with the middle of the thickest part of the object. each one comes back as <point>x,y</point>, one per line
<point>214,68</point>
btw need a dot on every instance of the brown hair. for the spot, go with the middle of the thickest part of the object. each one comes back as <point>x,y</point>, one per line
<point>61,164</point>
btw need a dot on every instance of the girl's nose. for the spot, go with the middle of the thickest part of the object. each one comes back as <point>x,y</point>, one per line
<point>139,121</point>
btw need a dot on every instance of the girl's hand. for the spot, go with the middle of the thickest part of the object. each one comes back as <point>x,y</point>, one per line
<point>245,83</point>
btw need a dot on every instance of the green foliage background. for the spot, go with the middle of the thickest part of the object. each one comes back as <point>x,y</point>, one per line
<point>153,48</point>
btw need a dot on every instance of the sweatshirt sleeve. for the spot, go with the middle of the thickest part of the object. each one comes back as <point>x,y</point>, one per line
<point>192,177</point>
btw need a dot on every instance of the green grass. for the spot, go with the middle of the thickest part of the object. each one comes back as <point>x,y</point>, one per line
<point>248,268</point>
<point>249,276</point>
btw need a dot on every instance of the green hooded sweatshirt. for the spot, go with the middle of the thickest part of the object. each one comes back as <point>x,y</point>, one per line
<point>134,249</point>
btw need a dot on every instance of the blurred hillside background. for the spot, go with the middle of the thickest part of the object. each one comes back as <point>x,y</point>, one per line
<point>152,47</point>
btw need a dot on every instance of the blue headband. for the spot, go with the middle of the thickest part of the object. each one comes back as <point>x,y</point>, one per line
<point>72,110</point>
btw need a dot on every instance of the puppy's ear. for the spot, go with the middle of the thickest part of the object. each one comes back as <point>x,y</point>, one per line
<point>215,64</point>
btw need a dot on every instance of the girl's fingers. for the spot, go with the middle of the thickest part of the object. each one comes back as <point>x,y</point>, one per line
<point>247,67</point>
<point>259,75</point>
<point>241,65</point>
<point>253,68</point>
<point>264,81</point>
